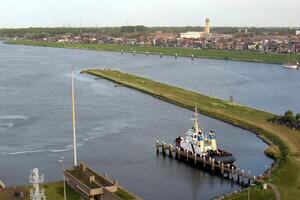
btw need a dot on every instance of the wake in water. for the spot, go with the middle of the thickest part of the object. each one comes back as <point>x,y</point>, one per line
<point>10,121</point>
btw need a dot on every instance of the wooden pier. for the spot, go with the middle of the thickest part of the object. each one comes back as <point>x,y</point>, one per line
<point>227,171</point>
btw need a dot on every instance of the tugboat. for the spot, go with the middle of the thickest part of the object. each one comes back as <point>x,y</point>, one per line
<point>202,144</point>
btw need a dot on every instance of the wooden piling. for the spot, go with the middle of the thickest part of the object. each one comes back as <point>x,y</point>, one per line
<point>187,156</point>
<point>213,164</point>
<point>163,148</point>
<point>157,146</point>
<point>171,150</point>
<point>222,168</point>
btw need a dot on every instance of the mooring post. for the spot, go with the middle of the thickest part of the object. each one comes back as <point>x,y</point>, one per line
<point>192,57</point>
<point>171,150</point>
<point>238,175</point>
<point>195,159</point>
<point>178,152</point>
<point>213,164</point>
<point>187,155</point>
<point>222,168</point>
<point>243,176</point>
<point>176,55</point>
<point>157,146</point>
<point>133,52</point>
<point>122,52</point>
<point>163,147</point>
<point>161,54</point>
<point>204,160</point>
<point>232,172</point>
<point>147,54</point>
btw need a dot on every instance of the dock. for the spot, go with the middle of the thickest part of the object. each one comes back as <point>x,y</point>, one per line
<point>227,171</point>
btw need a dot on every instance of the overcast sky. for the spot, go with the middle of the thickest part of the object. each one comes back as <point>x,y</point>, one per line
<point>49,13</point>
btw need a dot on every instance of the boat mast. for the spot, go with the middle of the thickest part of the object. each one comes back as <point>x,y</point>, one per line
<point>196,126</point>
<point>74,122</point>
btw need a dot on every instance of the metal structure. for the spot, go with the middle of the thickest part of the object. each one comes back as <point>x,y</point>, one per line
<point>36,193</point>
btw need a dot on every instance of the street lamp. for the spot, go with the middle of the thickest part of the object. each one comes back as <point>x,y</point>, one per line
<point>63,173</point>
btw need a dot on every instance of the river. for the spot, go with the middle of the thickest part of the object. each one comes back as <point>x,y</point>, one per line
<point>117,126</point>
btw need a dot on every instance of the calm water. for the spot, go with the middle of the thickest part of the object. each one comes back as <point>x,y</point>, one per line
<point>117,127</point>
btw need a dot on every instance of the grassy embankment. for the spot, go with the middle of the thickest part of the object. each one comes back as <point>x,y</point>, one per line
<point>183,52</point>
<point>53,191</point>
<point>284,142</point>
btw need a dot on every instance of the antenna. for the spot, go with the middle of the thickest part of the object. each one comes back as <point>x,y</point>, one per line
<point>74,122</point>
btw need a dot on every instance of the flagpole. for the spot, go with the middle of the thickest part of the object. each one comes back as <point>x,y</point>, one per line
<point>74,121</point>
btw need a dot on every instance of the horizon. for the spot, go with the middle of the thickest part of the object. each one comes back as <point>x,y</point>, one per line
<point>153,13</point>
<point>53,27</point>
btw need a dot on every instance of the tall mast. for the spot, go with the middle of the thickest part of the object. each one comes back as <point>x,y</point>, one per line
<point>74,121</point>
<point>196,126</point>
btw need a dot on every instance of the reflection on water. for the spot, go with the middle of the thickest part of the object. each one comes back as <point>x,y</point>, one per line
<point>117,126</point>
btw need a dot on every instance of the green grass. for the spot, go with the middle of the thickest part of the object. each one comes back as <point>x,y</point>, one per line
<point>186,52</point>
<point>287,152</point>
<point>55,191</point>
<point>124,195</point>
<point>254,194</point>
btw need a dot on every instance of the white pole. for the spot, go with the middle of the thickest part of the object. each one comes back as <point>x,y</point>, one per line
<point>64,178</point>
<point>74,121</point>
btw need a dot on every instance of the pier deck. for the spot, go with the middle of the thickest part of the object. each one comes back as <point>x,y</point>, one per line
<point>218,168</point>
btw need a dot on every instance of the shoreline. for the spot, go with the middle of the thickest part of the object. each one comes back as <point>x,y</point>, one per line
<point>230,55</point>
<point>286,150</point>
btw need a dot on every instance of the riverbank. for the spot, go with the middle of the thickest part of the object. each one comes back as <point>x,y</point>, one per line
<point>286,177</point>
<point>271,58</point>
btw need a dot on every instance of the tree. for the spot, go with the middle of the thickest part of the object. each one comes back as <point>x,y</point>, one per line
<point>289,113</point>
<point>298,117</point>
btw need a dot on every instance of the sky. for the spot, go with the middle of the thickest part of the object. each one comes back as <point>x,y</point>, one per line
<point>53,13</point>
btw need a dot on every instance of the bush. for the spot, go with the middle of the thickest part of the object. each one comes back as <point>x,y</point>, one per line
<point>288,119</point>
<point>297,117</point>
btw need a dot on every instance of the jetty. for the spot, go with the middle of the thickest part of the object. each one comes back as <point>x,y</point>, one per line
<point>227,171</point>
<point>94,186</point>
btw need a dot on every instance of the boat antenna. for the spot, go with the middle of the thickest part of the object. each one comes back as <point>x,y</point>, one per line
<point>74,121</point>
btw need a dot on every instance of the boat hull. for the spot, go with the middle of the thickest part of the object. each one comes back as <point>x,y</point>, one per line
<point>291,66</point>
<point>219,155</point>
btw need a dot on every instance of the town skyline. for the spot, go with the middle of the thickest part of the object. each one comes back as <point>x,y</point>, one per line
<point>92,13</point>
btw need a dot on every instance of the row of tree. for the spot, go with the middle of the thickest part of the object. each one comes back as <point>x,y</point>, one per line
<point>288,119</point>
<point>140,29</point>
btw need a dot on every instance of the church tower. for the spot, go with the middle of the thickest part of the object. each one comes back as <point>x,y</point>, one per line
<point>207,26</point>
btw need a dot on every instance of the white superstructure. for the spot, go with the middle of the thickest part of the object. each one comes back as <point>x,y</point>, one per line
<point>196,141</point>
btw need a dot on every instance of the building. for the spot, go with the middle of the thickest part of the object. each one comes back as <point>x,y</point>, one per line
<point>297,32</point>
<point>191,35</point>
<point>207,26</point>
<point>195,34</point>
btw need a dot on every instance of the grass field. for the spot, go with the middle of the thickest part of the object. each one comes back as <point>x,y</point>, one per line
<point>53,191</point>
<point>185,52</point>
<point>286,177</point>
